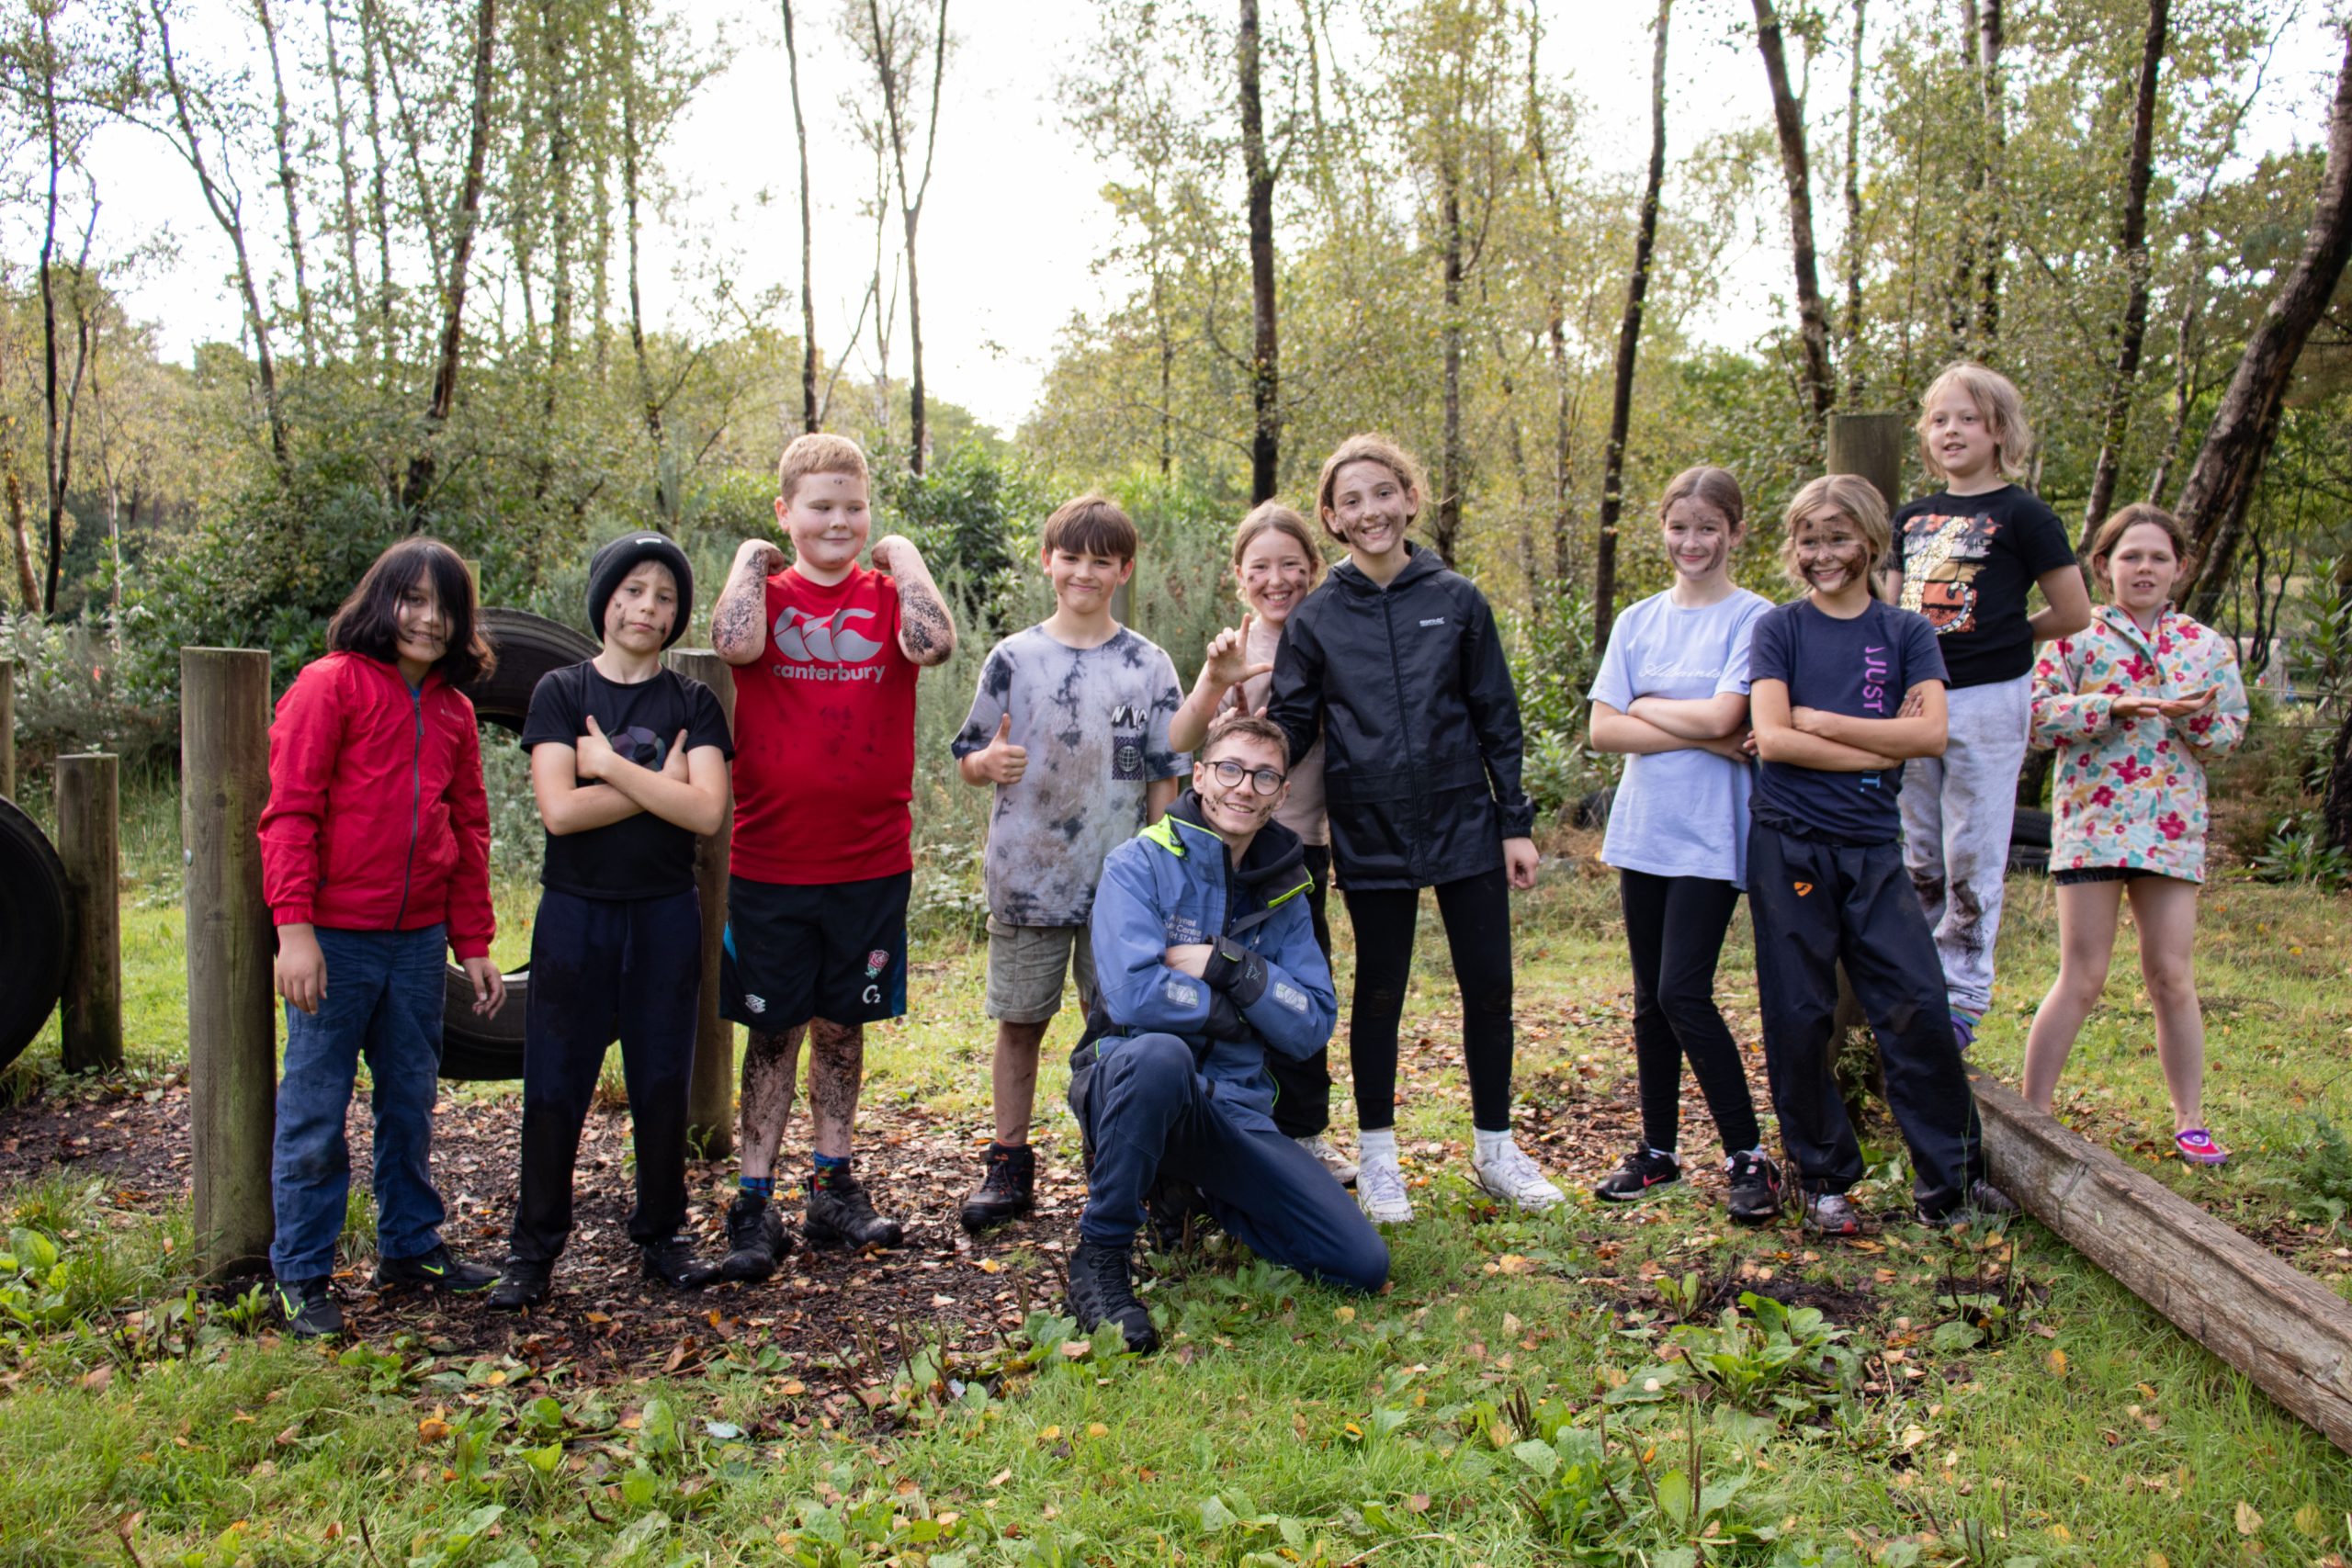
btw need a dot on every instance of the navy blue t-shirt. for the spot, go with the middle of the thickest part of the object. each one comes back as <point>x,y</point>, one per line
<point>1861,667</point>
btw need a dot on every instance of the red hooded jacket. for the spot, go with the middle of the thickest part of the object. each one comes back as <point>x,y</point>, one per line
<point>376,820</point>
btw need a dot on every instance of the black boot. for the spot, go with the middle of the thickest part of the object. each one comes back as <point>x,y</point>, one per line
<point>756,1238</point>
<point>671,1260</point>
<point>1006,1190</point>
<point>524,1282</point>
<point>838,1213</point>
<point>309,1309</point>
<point>1101,1291</point>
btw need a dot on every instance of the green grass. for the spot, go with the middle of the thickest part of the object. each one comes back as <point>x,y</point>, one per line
<point>1283,1419</point>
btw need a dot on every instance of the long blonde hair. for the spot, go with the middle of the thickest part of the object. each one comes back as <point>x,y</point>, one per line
<point>1998,404</point>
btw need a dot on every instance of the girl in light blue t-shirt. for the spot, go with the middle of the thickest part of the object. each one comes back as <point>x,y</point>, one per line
<point>1672,695</point>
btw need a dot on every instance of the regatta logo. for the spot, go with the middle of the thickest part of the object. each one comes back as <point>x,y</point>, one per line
<point>822,648</point>
<point>1434,621</point>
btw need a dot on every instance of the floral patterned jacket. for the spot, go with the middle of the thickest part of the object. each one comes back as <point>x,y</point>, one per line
<point>2131,792</point>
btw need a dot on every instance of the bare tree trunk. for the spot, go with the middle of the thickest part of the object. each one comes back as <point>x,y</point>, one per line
<point>1265,379</point>
<point>1788,122</point>
<point>1989,67</point>
<point>1556,310</point>
<point>2135,265</point>
<point>808,421</point>
<point>27,579</point>
<point>1853,323</point>
<point>666,500</point>
<point>378,199</point>
<point>884,62</point>
<point>422,466</point>
<point>2184,396</point>
<point>1451,458</point>
<point>350,182</point>
<point>1629,340</point>
<point>2220,486</point>
<point>281,132</point>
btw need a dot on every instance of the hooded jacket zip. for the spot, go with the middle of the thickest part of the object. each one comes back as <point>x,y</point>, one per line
<point>415,799</point>
<point>1414,856</point>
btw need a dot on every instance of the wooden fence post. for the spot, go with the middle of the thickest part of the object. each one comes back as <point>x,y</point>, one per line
<point>7,730</point>
<point>710,1097</point>
<point>1870,444</point>
<point>89,846</point>
<point>232,1025</point>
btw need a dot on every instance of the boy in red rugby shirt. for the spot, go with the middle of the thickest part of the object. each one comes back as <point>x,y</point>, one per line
<point>825,654</point>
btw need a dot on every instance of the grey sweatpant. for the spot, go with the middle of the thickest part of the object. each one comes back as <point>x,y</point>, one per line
<point>1957,812</point>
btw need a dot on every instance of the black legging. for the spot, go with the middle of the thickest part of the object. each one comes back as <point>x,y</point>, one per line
<point>1477,912</point>
<point>1675,927</point>
<point>1302,1090</point>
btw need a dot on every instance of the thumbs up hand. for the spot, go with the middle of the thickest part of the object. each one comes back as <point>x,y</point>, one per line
<point>593,753</point>
<point>1001,762</point>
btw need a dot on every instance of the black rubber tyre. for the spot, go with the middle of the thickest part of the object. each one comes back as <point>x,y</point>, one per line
<point>33,930</point>
<point>1592,811</point>
<point>2030,827</point>
<point>528,647</point>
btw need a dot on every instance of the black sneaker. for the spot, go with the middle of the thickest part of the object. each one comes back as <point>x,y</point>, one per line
<point>309,1308</point>
<point>1007,1189</point>
<point>756,1238</point>
<point>838,1213</point>
<point>522,1282</point>
<point>671,1260</point>
<point>1984,1201</point>
<point>439,1270</point>
<point>1101,1291</point>
<point>1755,1188</point>
<point>1644,1168</point>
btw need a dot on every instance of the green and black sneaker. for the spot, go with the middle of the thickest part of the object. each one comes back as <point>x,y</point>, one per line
<point>309,1308</point>
<point>438,1270</point>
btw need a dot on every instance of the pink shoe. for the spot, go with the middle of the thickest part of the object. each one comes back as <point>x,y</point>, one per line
<point>2198,1148</point>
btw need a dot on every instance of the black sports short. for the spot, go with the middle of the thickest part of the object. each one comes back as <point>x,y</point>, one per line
<point>837,951</point>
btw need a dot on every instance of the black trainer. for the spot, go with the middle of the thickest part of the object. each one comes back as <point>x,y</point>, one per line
<point>1102,1291</point>
<point>1007,1189</point>
<point>309,1308</point>
<point>1755,1187</point>
<point>522,1282</point>
<point>756,1238</point>
<point>1643,1169</point>
<point>838,1213</point>
<point>439,1270</point>
<point>671,1260</point>
<point>1984,1201</point>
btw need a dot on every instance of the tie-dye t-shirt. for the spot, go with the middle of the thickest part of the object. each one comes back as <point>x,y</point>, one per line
<point>1094,722</point>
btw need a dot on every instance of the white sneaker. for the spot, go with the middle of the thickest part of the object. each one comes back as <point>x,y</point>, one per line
<point>1342,1168</point>
<point>1380,1193</point>
<point>1513,1177</point>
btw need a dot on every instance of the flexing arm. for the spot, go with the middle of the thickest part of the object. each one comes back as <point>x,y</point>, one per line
<point>738,622</point>
<point>926,631</point>
<point>2068,609</point>
<point>1920,732</point>
<point>1779,740</point>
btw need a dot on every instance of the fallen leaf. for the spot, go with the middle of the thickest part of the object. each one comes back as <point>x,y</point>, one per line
<point>2057,1363</point>
<point>2248,1521</point>
<point>1096,1429</point>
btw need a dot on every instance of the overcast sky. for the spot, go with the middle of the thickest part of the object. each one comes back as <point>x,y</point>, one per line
<point>1014,220</point>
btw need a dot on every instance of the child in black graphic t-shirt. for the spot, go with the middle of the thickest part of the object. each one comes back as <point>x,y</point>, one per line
<point>628,763</point>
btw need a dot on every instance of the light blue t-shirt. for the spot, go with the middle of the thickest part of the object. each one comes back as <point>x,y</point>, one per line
<point>1679,813</point>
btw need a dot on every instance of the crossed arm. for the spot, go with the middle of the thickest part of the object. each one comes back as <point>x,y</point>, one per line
<point>689,789</point>
<point>1652,724</point>
<point>1837,743</point>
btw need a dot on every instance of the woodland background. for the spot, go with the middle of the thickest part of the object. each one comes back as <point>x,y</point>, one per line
<point>1333,215</point>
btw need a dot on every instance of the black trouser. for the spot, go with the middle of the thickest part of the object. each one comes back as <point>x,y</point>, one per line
<point>1477,912</point>
<point>1815,906</point>
<point>1674,926</point>
<point>631,967</point>
<point>1302,1090</point>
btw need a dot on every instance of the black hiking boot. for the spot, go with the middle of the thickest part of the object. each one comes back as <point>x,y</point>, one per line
<point>524,1282</point>
<point>756,1238</point>
<point>1755,1187</point>
<point>309,1308</point>
<point>1007,1189</point>
<point>439,1270</point>
<point>1643,1170</point>
<point>838,1213</point>
<point>1101,1291</point>
<point>671,1260</point>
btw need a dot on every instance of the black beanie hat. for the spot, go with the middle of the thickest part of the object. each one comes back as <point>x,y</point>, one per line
<point>612,564</point>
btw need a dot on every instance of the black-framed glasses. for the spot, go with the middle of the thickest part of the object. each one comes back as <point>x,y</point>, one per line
<point>1265,781</point>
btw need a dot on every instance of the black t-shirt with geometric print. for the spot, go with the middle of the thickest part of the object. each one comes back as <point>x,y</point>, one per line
<point>1968,563</point>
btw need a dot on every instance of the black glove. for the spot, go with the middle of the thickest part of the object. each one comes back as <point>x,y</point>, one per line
<point>1233,971</point>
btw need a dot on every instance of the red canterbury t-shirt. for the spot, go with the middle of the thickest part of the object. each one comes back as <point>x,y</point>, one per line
<point>825,736</point>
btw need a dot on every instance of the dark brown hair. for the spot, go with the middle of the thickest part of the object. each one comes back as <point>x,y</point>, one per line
<point>1246,727</point>
<point>1710,486</point>
<point>1091,525</point>
<point>368,621</point>
<point>2110,533</point>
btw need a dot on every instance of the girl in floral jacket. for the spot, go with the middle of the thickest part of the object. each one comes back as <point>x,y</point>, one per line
<point>2134,705</point>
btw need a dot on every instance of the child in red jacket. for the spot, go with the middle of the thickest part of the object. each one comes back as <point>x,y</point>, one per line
<point>375,858</point>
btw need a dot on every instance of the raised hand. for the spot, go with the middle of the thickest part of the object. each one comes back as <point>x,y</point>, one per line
<point>1001,762</point>
<point>1227,662</point>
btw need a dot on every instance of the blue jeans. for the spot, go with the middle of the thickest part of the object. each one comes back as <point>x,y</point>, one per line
<point>384,997</point>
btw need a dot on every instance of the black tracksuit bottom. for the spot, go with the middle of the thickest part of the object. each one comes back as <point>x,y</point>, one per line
<point>1302,1090</point>
<point>1816,903</point>
<point>1673,929</point>
<point>602,968</point>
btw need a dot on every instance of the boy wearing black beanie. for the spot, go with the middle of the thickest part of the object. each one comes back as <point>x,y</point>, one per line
<point>628,764</point>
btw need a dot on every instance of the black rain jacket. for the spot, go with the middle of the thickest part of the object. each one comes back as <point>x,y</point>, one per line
<point>1409,689</point>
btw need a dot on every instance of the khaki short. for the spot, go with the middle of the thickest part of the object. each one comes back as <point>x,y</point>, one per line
<point>1026,969</point>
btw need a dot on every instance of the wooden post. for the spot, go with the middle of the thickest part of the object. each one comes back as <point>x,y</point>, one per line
<point>2288,1333</point>
<point>89,1015</point>
<point>710,1098</point>
<point>1870,444</point>
<point>231,1022</point>
<point>7,730</point>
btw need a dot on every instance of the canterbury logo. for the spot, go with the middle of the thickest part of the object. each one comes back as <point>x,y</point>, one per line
<point>813,640</point>
<point>1803,887</point>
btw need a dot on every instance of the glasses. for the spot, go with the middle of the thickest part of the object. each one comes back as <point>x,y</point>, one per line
<point>1265,781</point>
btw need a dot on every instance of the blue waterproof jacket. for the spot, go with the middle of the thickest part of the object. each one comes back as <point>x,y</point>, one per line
<point>1173,885</point>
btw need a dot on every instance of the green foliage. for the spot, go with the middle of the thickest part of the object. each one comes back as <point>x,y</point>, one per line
<point>2323,1176</point>
<point>1773,1356</point>
<point>2299,851</point>
<point>71,696</point>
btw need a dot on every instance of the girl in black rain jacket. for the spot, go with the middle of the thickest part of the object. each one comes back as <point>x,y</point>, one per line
<point>1396,661</point>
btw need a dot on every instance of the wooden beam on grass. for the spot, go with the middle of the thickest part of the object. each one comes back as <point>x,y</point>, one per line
<point>710,1094</point>
<point>2288,1333</point>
